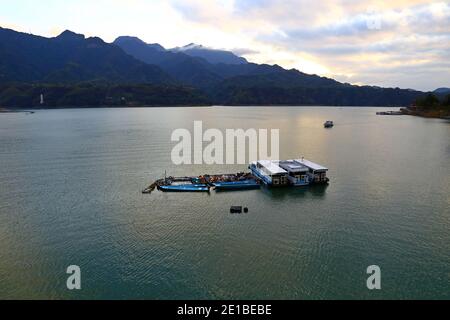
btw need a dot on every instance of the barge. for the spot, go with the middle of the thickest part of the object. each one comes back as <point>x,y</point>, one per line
<point>300,172</point>
<point>271,173</point>
<point>185,188</point>
<point>390,113</point>
<point>237,185</point>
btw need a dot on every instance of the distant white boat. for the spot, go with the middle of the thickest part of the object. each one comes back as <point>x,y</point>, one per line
<point>329,124</point>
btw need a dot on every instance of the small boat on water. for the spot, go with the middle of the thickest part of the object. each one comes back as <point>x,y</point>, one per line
<point>237,185</point>
<point>185,188</point>
<point>329,124</point>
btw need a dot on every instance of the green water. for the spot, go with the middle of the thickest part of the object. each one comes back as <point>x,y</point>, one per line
<point>70,193</point>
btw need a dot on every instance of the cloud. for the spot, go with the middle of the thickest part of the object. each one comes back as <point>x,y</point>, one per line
<point>407,40</point>
<point>244,51</point>
<point>404,39</point>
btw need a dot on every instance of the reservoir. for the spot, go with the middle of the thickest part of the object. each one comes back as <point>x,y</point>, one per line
<point>70,194</point>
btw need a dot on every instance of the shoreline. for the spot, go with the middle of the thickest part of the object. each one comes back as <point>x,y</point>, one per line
<point>31,109</point>
<point>422,114</point>
<point>404,111</point>
<point>100,107</point>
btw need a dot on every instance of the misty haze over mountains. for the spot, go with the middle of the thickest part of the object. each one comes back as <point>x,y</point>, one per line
<point>213,56</point>
<point>209,76</point>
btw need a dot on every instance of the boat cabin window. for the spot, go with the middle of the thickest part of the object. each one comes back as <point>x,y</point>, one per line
<point>320,176</point>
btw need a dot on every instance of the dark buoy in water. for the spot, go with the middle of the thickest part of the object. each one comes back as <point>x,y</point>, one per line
<point>235,209</point>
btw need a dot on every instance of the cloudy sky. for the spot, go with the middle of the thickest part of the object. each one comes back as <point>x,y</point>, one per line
<point>404,43</point>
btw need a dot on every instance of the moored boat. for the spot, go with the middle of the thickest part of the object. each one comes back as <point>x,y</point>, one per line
<point>300,172</point>
<point>237,185</point>
<point>270,173</point>
<point>185,188</point>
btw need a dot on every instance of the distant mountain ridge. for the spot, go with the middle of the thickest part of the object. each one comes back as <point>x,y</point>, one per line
<point>254,84</point>
<point>186,69</point>
<point>70,58</point>
<point>442,91</point>
<point>199,72</point>
<point>73,59</point>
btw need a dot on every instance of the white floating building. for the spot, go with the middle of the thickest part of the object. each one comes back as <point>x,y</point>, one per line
<point>300,172</point>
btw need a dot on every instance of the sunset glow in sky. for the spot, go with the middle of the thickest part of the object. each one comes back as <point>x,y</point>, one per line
<point>404,43</point>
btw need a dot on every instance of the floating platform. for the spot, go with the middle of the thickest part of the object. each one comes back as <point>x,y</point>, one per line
<point>271,173</point>
<point>390,113</point>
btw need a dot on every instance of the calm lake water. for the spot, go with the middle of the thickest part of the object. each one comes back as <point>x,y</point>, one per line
<point>70,194</point>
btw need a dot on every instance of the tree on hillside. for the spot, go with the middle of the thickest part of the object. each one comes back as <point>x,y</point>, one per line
<point>428,101</point>
<point>446,101</point>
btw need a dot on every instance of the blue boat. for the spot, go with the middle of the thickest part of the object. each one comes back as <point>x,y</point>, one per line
<point>237,185</point>
<point>185,188</point>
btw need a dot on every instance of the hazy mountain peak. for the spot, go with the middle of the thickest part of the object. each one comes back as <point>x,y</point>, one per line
<point>214,56</point>
<point>70,35</point>
<point>135,41</point>
<point>192,46</point>
<point>442,90</point>
<point>129,39</point>
<point>95,42</point>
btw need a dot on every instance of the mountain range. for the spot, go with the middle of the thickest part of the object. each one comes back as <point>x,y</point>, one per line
<point>441,91</point>
<point>205,75</point>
